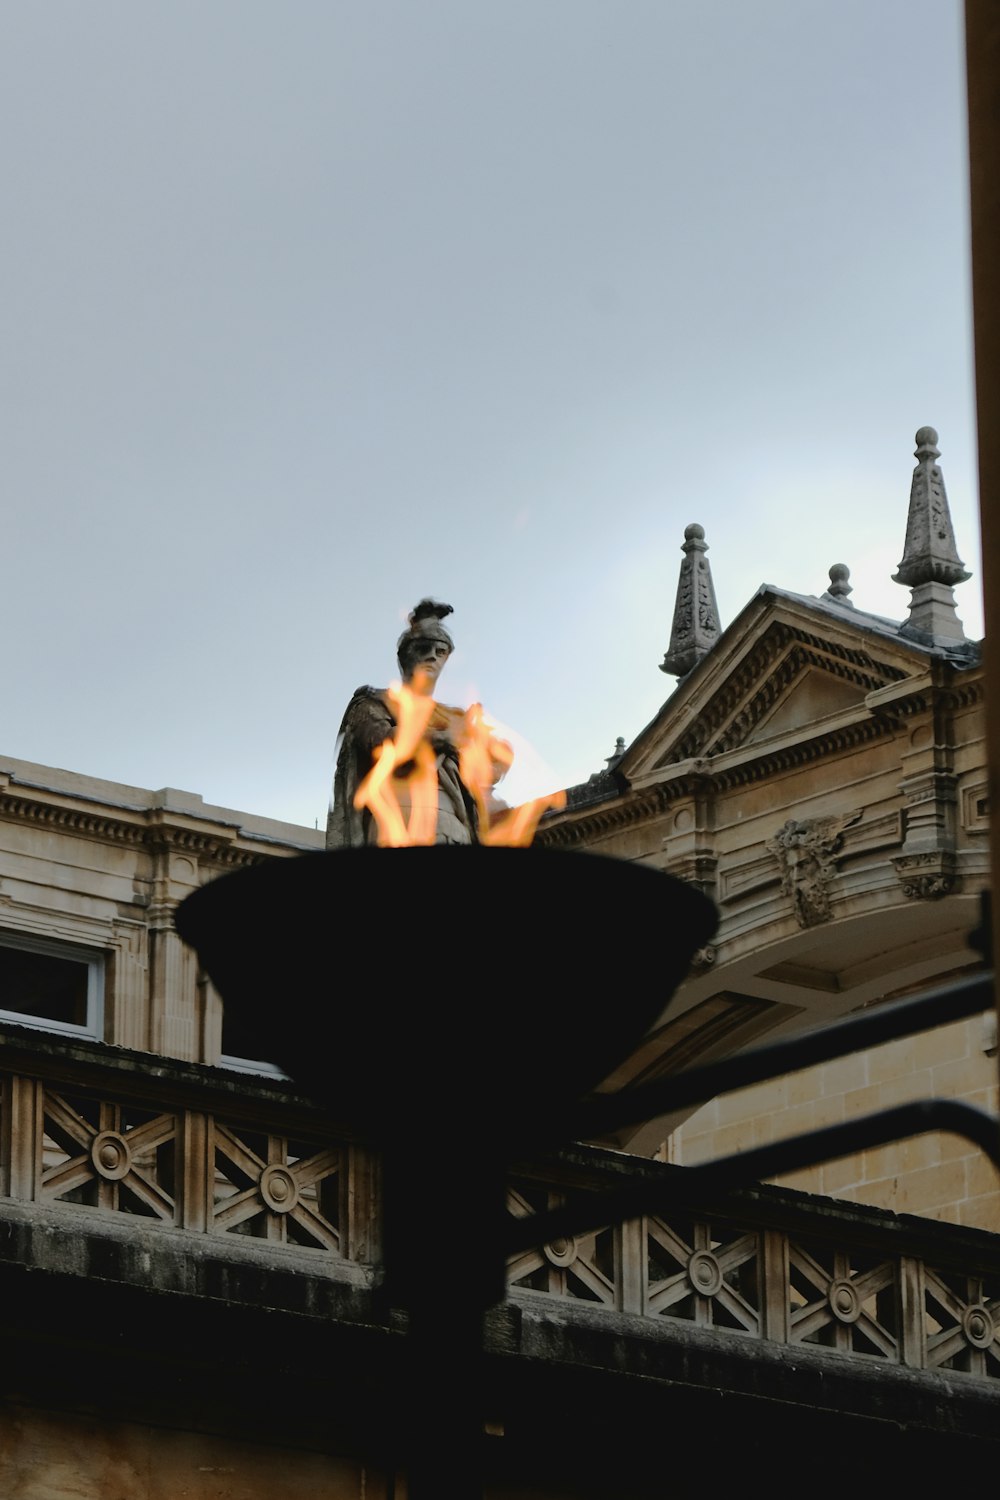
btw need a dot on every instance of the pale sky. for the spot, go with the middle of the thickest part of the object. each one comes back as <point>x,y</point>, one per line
<point>311,309</point>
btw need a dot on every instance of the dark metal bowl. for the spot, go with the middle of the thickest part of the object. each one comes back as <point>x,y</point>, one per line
<point>447,988</point>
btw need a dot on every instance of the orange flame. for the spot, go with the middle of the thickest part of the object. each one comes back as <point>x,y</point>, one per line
<point>391,774</point>
<point>401,789</point>
<point>483,759</point>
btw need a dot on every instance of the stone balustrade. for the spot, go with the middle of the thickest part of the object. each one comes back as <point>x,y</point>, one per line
<point>98,1142</point>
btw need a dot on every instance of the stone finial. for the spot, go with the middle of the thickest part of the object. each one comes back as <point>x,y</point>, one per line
<point>612,760</point>
<point>696,615</point>
<point>930,565</point>
<point>839,586</point>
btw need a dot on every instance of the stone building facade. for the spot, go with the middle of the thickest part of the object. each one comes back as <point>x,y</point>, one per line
<point>92,874</point>
<point>821,772</point>
<point>190,1248</point>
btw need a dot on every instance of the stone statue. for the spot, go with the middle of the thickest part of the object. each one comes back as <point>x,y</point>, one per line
<point>422,651</point>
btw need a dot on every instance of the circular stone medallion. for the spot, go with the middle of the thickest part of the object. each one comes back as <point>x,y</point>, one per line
<point>562,1252</point>
<point>110,1155</point>
<point>278,1189</point>
<point>977,1325</point>
<point>705,1273</point>
<point>845,1304</point>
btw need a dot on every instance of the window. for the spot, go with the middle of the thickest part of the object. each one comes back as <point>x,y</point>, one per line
<point>51,985</point>
<point>239,1049</point>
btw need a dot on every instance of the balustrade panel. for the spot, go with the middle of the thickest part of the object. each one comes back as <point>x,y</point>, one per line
<point>848,1300</point>
<point>79,1148</point>
<point>962,1322</point>
<point>214,1173</point>
<point>273,1188</point>
<point>830,1294</point>
<point>585,1267</point>
<point>97,1153</point>
<point>706,1273</point>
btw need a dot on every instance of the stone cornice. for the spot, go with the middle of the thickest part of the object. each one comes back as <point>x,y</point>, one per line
<point>939,684</point>
<point>618,812</point>
<point>789,756</point>
<point>144,828</point>
<point>89,823</point>
<point>711,774</point>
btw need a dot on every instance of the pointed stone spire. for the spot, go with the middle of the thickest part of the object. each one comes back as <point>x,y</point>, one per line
<point>696,614</point>
<point>931,565</point>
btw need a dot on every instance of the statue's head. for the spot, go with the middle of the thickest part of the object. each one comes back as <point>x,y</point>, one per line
<point>425,644</point>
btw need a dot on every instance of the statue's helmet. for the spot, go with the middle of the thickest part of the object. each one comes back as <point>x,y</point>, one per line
<point>424,625</point>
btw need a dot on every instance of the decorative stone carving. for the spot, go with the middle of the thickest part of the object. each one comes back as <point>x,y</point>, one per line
<point>696,866</point>
<point>705,1273</point>
<point>807,849</point>
<point>926,863</point>
<point>696,615</point>
<point>111,1155</point>
<point>764,676</point>
<point>977,1325</point>
<point>839,587</point>
<point>845,1304</point>
<point>279,1189</point>
<point>927,875</point>
<point>104,1155</point>
<point>562,1252</point>
<point>930,564</point>
<point>612,760</point>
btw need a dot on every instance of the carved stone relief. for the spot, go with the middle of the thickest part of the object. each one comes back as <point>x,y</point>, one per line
<point>928,875</point>
<point>806,850</point>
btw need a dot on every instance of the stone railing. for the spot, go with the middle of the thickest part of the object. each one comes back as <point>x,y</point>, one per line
<point>773,1264</point>
<point>114,1135</point>
<point>96,1138</point>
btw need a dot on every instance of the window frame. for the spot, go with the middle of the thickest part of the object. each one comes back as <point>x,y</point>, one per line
<point>95,960</point>
<point>252,1065</point>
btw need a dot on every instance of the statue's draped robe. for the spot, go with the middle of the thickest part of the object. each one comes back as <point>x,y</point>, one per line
<point>368,721</point>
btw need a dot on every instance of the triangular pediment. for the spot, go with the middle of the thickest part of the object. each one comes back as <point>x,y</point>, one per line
<point>813,695</point>
<point>784,666</point>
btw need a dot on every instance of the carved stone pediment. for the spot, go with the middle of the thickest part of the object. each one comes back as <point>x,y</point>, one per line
<point>781,669</point>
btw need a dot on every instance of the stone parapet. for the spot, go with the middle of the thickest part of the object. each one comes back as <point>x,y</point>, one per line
<point>150,1173</point>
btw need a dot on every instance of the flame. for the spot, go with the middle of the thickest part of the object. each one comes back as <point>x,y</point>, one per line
<point>401,789</point>
<point>483,758</point>
<point>391,772</point>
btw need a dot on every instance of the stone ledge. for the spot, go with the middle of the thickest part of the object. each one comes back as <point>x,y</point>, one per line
<point>678,1355</point>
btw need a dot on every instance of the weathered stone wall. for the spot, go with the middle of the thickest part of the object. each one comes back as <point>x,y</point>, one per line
<point>102,867</point>
<point>938,1176</point>
<point>824,780</point>
<point>51,1455</point>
